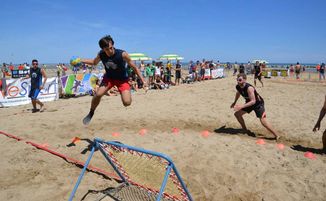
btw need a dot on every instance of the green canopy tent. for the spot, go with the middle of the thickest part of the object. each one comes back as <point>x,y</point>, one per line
<point>170,57</point>
<point>139,57</point>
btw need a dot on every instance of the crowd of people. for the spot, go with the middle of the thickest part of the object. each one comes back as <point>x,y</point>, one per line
<point>171,74</point>
<point>119,79</point>
<point>61,69</point>
<point>161,76</point>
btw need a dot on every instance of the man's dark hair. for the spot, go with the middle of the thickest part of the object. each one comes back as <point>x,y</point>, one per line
<point>34,60</point>
<point>244,76</point>
<point>104,42</point>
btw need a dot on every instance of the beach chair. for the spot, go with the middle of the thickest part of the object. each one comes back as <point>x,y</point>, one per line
<point>189,79</point>
<point>145,175</point>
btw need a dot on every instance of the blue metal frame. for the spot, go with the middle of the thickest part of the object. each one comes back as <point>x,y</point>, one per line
<point>112,164</point>
<point>164,182</point>
<point>72,195</point>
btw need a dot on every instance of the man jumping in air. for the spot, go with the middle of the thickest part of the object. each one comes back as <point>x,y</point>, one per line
<point>114,61</point>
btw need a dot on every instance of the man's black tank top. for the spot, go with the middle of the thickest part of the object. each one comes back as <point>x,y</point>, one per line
<point>115,66</point>
<point>257,70</point>
<point>36,77</point>
<point>322,69</point>
<point>244,93</point>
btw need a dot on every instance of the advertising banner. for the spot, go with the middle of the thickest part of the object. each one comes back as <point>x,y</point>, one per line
<point>78,84</point>
<point>218,73</point>
<point>17,90</point>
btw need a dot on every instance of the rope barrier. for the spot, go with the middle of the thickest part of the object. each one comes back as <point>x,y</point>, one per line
<point>66,158</point>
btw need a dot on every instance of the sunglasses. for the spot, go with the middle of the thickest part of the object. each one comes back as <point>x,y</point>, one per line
<point>239,79</point>
<point>35,63</point>
<point>108,48</point>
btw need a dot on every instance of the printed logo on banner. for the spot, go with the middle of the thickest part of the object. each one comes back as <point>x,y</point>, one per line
<point>13,91</point>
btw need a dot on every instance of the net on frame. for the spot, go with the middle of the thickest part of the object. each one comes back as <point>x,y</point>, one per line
<point>146,175</point>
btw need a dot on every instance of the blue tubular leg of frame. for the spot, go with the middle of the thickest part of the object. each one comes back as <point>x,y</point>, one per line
<point>112,164</point>
<point>82,173</point>
<point>165,180</point>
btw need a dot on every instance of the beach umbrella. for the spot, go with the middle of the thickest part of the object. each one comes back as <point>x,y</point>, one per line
<point>139,57</point>
<point>170,57</point>
<point>259,60</point>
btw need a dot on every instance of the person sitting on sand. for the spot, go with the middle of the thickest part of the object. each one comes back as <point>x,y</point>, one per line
<point>253,102</point>
<point>112,92</point>
<point>133,84</point>
<point>317,126</point>
<point>159,84</point>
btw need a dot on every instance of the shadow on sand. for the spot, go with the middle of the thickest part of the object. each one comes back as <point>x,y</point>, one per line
<point>239,131</point>
<point>305,149</point>
<point>88,148</point>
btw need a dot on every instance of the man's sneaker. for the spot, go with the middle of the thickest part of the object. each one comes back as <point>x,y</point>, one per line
<point>35,110</point>
<point>88,118</point>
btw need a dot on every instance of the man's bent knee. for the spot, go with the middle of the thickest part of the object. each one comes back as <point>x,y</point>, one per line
<point>126,103</point>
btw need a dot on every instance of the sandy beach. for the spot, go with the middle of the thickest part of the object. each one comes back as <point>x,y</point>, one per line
<point>225,165</point>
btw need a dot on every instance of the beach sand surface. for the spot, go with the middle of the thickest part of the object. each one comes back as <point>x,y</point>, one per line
<point>225,165</point>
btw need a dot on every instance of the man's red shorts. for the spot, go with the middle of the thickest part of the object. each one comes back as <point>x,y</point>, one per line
<point>122,85</point>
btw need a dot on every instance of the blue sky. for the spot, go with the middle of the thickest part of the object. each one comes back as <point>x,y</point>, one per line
<point>226,30</point>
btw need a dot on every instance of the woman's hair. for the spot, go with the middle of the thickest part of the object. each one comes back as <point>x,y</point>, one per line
<point>104,42</point>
